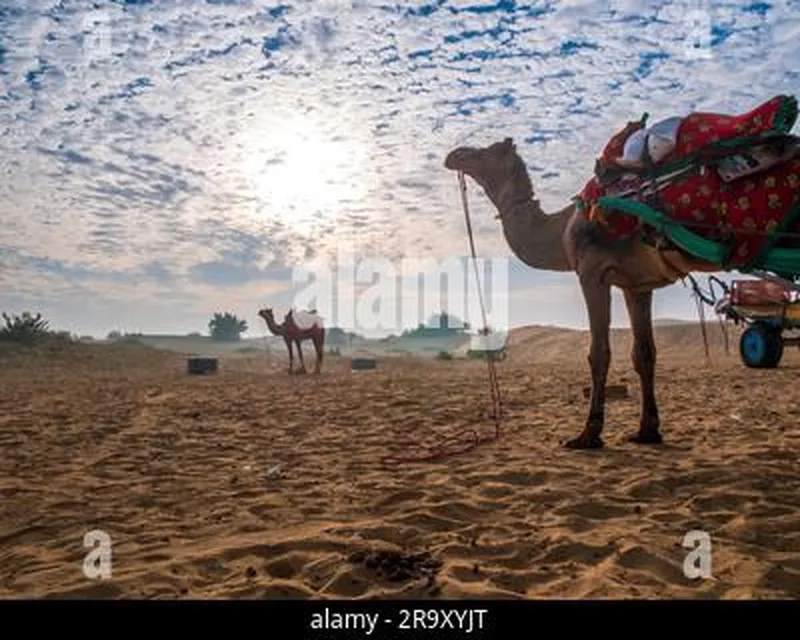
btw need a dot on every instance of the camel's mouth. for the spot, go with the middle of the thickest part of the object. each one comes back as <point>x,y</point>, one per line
<point>457,159</point>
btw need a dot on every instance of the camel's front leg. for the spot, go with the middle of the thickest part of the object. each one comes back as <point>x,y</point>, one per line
<point>300,355</point>
<point>644,361</point>
<point>319,348</point>
<point>291,355</point>
<point>597,296</point>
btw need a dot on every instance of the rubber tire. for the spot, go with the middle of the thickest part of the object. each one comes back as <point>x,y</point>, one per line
<point>761,346</point>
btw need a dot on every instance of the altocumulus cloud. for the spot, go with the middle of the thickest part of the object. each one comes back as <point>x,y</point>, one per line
<point>207,148</point>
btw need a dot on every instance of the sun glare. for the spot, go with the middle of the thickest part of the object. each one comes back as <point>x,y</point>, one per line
<point>303,176</point>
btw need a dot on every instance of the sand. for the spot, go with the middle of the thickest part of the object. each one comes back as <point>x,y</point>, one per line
<point>254,484</point>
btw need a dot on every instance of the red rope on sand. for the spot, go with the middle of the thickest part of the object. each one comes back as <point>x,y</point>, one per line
<point>463,442</point>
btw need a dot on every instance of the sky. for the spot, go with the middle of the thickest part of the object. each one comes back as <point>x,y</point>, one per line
<point>165,160</point>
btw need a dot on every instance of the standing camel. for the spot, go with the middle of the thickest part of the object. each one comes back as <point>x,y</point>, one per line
<point>568,241</point>
<point>309,326</point>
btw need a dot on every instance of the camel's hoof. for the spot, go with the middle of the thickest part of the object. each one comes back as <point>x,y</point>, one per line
<point>586,443</point>
<point>646,437</point>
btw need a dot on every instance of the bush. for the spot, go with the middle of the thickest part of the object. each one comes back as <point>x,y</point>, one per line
<point>479,354</point>
<point>25,328</point>
<point>226,327</point>
<point>444,355</point>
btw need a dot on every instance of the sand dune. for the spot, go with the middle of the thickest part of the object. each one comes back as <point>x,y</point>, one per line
<point>252,484</point>
<point>678,341</point>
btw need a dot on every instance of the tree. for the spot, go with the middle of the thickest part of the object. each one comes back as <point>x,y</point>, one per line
<point>25,328</point>
<point>226,327</point>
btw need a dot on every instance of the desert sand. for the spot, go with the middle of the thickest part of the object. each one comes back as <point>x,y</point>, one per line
<point>253,484</point>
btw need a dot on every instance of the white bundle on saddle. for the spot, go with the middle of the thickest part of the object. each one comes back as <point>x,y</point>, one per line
<point>659,140</point>
<point>306,319</point>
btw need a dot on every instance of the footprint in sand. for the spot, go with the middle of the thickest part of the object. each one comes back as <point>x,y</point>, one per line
<point>595,510</point>
<point>287,566</point>
<point>577,552</point>
<point>640,560</point>
<point>781,579</point>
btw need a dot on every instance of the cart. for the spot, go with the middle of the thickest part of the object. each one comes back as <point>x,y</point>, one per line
<point>768,307</point>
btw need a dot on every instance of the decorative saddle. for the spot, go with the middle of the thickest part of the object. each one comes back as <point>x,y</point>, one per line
<point>731,179</point>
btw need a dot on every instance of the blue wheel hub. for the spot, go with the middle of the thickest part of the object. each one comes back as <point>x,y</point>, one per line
<point>754,345</point>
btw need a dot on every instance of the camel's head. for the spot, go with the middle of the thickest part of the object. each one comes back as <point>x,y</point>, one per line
<point>266,314</point>
<point>491,167</point>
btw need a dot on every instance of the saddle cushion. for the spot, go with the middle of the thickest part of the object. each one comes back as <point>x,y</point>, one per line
<point>742,213</point>
<point>700,129</point>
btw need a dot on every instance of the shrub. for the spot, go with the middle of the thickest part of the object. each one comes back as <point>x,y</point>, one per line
<point>226,327</point>
<point>25,328</point>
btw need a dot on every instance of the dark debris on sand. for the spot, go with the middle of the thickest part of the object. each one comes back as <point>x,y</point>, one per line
<point>396,566</point>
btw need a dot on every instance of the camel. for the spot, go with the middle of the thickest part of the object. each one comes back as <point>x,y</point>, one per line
<point>308,326</point>
<point>566,241</point>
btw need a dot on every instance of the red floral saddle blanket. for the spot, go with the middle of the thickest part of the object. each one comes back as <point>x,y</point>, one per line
<point>729,178</point>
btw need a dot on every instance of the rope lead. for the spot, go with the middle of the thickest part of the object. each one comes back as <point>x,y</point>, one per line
<point>462,443</point>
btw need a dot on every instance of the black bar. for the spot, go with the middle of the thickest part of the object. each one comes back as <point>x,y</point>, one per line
<point>393,619</point>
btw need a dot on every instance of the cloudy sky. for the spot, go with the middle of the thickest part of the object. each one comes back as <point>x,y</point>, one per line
<point>163,160</point>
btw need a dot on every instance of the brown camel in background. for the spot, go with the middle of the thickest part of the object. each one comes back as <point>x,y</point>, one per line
<point>307,326</point>
<point>563,241</point>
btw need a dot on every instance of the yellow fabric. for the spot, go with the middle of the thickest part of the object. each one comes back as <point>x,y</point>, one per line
<point>596,214</point>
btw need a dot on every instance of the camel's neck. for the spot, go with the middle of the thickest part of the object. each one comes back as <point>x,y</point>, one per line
<point>273,327</point>
<point>535,237</point>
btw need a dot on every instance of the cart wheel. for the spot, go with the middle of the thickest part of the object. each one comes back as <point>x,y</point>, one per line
<point>761,346</point>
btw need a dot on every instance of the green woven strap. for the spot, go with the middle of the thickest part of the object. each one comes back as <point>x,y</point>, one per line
<point>783,262</point>
<point>689,241</point>
<point>786,116</point>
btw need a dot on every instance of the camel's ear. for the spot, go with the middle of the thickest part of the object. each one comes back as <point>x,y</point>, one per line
<point>508,143</point>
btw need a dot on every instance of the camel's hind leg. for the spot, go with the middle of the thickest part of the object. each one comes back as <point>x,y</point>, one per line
<point>320,349</point>
<point>644,361</point>
<point>597,296</point>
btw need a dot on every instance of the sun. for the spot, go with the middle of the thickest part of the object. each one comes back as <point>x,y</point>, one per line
<point>302,174</point>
